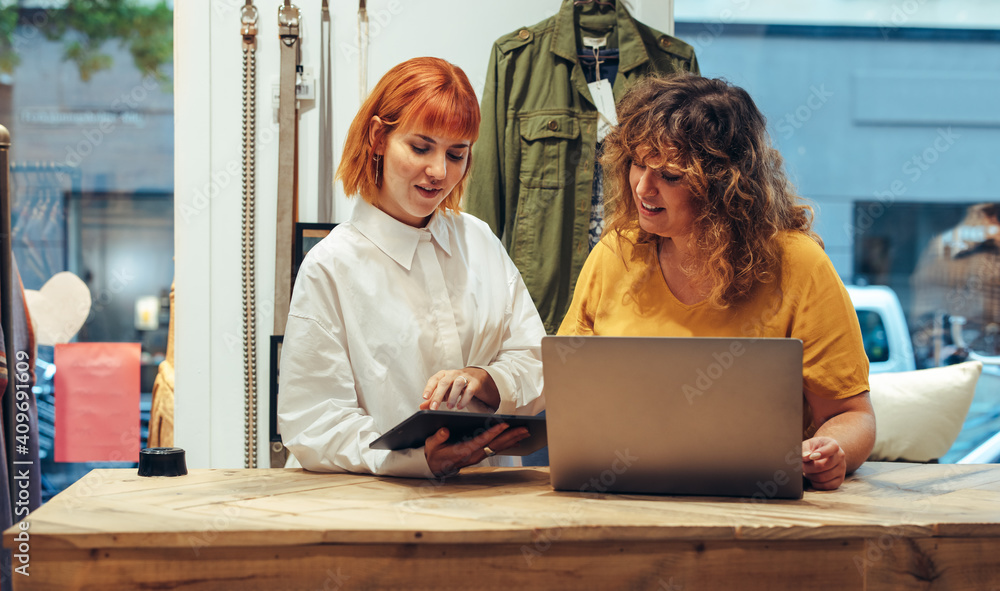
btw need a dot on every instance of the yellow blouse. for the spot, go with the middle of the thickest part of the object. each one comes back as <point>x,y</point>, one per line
<point>807,302</point>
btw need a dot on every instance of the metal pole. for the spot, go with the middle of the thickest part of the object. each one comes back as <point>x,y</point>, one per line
<point>6,295</point>
<point>6,290</point>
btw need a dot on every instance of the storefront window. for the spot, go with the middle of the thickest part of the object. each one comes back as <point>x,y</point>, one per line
<point>886,117</point>
<point>85,91</point>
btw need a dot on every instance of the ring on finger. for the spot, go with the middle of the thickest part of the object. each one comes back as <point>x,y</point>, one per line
<point>489,452</point>
<point>465,382</point>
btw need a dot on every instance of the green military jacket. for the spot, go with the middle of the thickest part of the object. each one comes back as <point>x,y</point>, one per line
<point>533,165</point>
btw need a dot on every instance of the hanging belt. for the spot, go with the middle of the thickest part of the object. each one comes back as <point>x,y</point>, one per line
<point>363,50</point>
<point>324,195</point>
<point>288,31</point>
<point>248,30</point>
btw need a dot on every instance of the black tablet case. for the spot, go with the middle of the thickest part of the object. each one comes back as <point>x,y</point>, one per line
<point>413,431</point>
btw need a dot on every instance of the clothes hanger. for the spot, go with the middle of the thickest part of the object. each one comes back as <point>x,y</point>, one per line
<point>597,60</point>
<point>597,2</point>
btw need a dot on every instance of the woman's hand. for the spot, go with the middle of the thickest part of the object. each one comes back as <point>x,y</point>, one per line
<point>445,459</point>
<point>457,387</point>
<point>844,439</point>
<point>824,462</point>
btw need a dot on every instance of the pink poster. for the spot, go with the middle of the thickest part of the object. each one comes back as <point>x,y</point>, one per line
<point>97,402</point>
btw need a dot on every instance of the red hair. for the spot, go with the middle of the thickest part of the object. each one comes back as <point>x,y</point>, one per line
<point>424,93</point>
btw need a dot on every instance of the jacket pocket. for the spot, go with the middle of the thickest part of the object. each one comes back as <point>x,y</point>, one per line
<point>545,139</point>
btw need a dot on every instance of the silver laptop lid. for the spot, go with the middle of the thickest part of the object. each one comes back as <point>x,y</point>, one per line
<point>663,415</point>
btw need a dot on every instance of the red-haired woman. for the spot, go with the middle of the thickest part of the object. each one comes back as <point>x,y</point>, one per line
<point>410,304</point>
<point>705,237</point>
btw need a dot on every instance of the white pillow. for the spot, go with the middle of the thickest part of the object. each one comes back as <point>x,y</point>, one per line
<point>918,414</point>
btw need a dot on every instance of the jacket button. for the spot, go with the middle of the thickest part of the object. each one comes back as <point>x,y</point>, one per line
<point>665,41</point>
<point>553,124</point>
<point>524,34</point>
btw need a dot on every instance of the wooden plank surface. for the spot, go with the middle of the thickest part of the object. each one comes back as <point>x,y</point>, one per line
<point>904,564</point>
<point>659,566</point>
<point>116,508</point>
<point>891,526</point>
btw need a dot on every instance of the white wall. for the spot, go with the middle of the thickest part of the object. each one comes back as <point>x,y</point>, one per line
<point>208,195</point>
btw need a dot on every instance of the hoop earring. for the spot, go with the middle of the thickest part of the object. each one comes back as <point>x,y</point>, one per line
<point>376,158</point>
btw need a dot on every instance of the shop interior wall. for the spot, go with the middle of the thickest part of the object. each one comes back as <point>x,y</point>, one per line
<point>209,413</point>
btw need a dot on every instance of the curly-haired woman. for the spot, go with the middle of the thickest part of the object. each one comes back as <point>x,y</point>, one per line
<point>706,237</point>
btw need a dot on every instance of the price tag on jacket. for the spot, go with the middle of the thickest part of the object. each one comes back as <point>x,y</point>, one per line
<point>604,99</point>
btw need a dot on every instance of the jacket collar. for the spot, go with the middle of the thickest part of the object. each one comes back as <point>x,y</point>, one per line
<point>397,240</point>
<point>631,50</point>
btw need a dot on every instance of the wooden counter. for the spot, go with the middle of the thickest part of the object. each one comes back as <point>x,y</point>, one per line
<point>891,526</point>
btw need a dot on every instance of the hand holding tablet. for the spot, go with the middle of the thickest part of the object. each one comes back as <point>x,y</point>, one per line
<point>462,426</point>
<point>446,459</point>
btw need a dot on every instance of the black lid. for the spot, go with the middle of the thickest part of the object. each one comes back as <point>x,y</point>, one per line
<point>162,461</point>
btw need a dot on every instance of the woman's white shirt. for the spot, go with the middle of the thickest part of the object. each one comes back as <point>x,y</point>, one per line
<point>378,307</point>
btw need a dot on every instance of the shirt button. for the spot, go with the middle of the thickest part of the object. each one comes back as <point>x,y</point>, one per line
<point>524,34</point>
<point>553,124</point>
<point>665,41</point>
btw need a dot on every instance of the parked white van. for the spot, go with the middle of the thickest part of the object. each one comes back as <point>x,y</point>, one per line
<point>889,348</point>
<point>883,328</point>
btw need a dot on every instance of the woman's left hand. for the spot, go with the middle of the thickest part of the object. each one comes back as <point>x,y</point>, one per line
<point>446,459</point>
<point>824,462</point>
<point>457,387</point>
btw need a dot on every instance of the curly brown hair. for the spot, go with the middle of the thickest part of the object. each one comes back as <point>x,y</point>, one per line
<point>717,137</point>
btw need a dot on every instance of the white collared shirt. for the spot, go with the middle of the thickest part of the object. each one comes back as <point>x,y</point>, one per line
<point>377,309</point>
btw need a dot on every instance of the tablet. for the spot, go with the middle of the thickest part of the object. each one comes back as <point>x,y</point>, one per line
<point>418,427</point>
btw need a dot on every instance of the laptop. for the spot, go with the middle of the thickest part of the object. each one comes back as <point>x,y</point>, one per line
<point>675,416</point>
